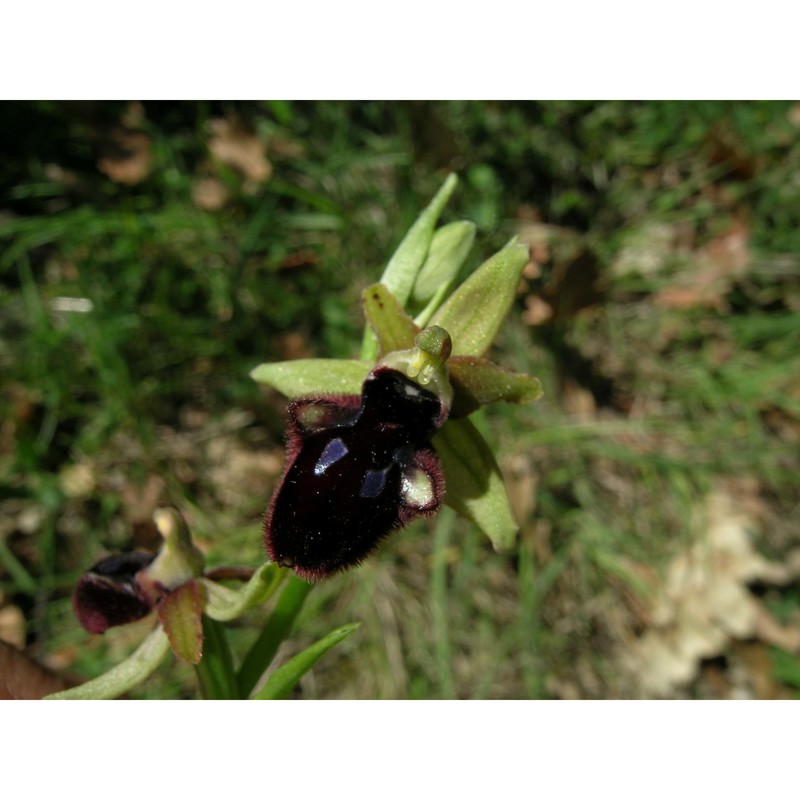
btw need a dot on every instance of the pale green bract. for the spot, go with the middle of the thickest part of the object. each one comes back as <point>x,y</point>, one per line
<point>313,376</point>
<point>475,486</point>
<point>405,264</point>
<point>449,249</point>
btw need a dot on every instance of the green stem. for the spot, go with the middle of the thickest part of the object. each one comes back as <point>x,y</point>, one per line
<point>274,632</point>
<point>216,672</point>
<point>124,676</point>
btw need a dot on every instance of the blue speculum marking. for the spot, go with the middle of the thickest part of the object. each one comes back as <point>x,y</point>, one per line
<point>374,482</point>
<point>334,450</point>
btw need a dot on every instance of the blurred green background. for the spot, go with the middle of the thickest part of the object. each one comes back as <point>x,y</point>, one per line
<point>151,254</point>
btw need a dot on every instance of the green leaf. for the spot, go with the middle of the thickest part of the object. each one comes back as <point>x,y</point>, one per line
<point>126,675</point>
<point>473,314</point>
<point>280,684</point>
<point>449,249</point>
<point>313,376</point>
<point>473,481</point>
<point>273,633</point>
<point>216,673</point>
<point>394,329</point>
<point>478,382</point>
<point>402,269</point>
<point>225,604</point>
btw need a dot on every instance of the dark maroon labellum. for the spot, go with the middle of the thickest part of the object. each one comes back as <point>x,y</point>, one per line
<point>357,469</point>
<point>108,594</point>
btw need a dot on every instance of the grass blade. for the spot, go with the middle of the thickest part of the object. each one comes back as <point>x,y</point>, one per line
<point>284,679</point>
<point>274,632</point>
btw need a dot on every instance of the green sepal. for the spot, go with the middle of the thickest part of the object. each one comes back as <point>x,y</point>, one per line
<point>180,613</point>
<point>478,382</point>
<point>405,264</point>
<point>475,487</point>
<point>128,674</point>
<point>394,329</point>
<point>313,376</point>
<point>280,684</point>
<point>224,604</point>
<point>449,249</point>
<point>473,314</point>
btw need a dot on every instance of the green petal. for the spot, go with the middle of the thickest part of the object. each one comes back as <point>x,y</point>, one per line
<point>478,382</point>
<point>449,249</point>
<point>126,675</point>
<point>313,376</point>
<point>394,329</point>
<point>402,269</point>
<point>280,684</point>
<point>225,604</point>
<point>474,313</point>
<point>474,484</point>
<point>180,612</point>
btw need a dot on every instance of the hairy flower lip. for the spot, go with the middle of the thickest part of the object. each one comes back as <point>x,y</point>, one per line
<point>357,468</point>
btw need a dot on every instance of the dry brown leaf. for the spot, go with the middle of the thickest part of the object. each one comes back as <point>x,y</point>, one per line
<point>647,251</point>
<point>521,481</point>
<point>57,174</point>
<point>209,194</point>
<point>77,480</point>
<point>573,281</point>
<point>128,158</point>
<point>21,678</point>
<point>537,312</point>
<point>578,401</point>
<point>704,602</point>
<point>240,149</point>
<point>12,626</point>
<point>139,502</point>
<point>718,265</point>
<point>239,473</point>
